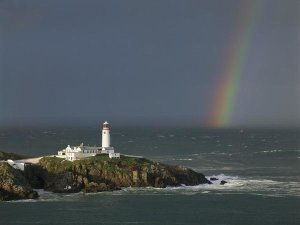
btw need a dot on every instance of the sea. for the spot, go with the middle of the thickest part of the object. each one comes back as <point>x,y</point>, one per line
<point>261,166</point>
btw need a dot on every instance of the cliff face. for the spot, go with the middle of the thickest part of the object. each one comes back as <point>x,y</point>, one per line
<point>103,174</point>
<point>13,185</point>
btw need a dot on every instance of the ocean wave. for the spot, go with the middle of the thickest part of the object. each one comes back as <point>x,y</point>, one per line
<point>276,151</point>
<point>183,159</point>
<point>271,151</point>
<point>234,185</point>
<point>209,137</point>
<point>47,196</point>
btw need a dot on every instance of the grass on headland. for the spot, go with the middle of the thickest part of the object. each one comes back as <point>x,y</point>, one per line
<point>101,158</point>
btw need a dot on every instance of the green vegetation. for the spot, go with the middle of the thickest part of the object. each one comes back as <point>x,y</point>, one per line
<point>97,158</point>
<point>55,164</point>
<point>104,157</point>
<point>58,164</point>
<point>122,165</point>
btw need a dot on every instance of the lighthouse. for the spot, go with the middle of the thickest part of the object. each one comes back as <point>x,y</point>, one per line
<point>105,135</point>
<point>81,151</point>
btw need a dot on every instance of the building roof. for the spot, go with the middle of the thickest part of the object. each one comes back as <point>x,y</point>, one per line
<point>90,147</point>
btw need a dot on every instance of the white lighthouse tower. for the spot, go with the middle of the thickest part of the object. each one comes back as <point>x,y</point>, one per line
<point>105,136</point>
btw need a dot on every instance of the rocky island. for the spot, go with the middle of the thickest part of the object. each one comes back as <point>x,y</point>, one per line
<point>87,169</point>
<point>91,174</point>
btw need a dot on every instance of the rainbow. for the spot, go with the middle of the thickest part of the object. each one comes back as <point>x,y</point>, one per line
<point>225,95</point>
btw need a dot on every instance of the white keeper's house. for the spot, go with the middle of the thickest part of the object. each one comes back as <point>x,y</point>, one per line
<point>72,153</point>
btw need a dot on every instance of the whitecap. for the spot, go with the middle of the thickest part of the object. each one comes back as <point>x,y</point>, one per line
<point>234,185</point>
<point>271,151</point>
<point>184,159</point>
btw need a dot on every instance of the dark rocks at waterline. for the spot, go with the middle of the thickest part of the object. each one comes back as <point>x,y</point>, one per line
<point>213,179</point>
<point>13,184</point>
<point>223,182</point>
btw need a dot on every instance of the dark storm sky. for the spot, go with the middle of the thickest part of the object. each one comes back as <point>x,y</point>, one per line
<point>144,61</point>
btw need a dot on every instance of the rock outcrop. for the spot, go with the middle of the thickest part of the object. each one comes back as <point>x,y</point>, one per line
<point>94,174</point>
<point>223,182</point>
<point>103,174</point>
<point>13,185</point>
